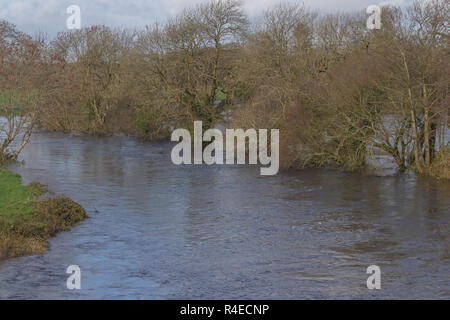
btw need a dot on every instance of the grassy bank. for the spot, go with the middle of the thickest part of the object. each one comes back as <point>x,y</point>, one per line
<point>441,166</point>
<point>26,224</point>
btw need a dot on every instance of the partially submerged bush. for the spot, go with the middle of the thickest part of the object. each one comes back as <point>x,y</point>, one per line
<point>26,234</point>
<point>441,165</point>
<point>443,231</point>
<point>61,213</point>
<point>37,188</point>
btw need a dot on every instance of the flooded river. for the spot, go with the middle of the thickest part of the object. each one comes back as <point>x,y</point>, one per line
<point>158,231</point>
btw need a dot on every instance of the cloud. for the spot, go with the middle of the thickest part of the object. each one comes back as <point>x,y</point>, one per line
<point>50,15</point>
<point>393,3</point>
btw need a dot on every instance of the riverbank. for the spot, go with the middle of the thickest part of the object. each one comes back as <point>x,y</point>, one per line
<point>27,223</point>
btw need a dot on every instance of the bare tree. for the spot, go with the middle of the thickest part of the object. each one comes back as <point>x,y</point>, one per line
<point>21,75</point>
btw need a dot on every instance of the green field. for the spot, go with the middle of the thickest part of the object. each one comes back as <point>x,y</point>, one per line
<point>15,198</point>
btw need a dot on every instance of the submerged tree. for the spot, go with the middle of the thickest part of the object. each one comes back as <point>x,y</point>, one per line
<point>338,92</point>
<point>20,76</point>
<point>190,61</point>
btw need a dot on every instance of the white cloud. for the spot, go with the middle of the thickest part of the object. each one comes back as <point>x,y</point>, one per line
<point>392,3</point>
<point>50,15</point>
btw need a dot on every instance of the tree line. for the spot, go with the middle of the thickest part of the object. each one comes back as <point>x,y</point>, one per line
<point>337,91</point>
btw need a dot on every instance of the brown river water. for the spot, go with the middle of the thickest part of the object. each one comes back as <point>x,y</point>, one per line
<point>160,231</point>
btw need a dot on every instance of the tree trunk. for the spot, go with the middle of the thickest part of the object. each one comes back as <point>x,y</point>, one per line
<point>426,132</point>
<point>417,151</point>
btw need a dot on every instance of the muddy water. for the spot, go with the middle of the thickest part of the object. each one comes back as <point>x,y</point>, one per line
<point>160,231</point>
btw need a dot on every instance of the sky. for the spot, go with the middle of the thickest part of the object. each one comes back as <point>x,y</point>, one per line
<point>50,16</point>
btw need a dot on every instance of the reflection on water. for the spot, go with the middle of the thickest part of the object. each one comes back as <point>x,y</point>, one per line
<point>160,231</point>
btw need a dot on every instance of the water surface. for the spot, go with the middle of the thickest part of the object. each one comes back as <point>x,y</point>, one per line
<point>158,231</point>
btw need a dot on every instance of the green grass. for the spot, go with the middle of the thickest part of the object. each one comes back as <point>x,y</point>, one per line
<point>17,102</point>
<point>15,198</point>
<point>220,95</point>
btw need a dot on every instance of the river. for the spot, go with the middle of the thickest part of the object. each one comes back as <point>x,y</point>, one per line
<point>160,231</point>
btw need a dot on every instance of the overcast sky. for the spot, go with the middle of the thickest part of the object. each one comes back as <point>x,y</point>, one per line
<point>50,15</point>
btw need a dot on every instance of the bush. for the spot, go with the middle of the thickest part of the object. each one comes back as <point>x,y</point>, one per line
<point>441,164</point>
<point>25,234</point>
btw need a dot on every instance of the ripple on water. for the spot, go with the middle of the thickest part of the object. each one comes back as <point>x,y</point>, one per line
<point>161,231</point>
